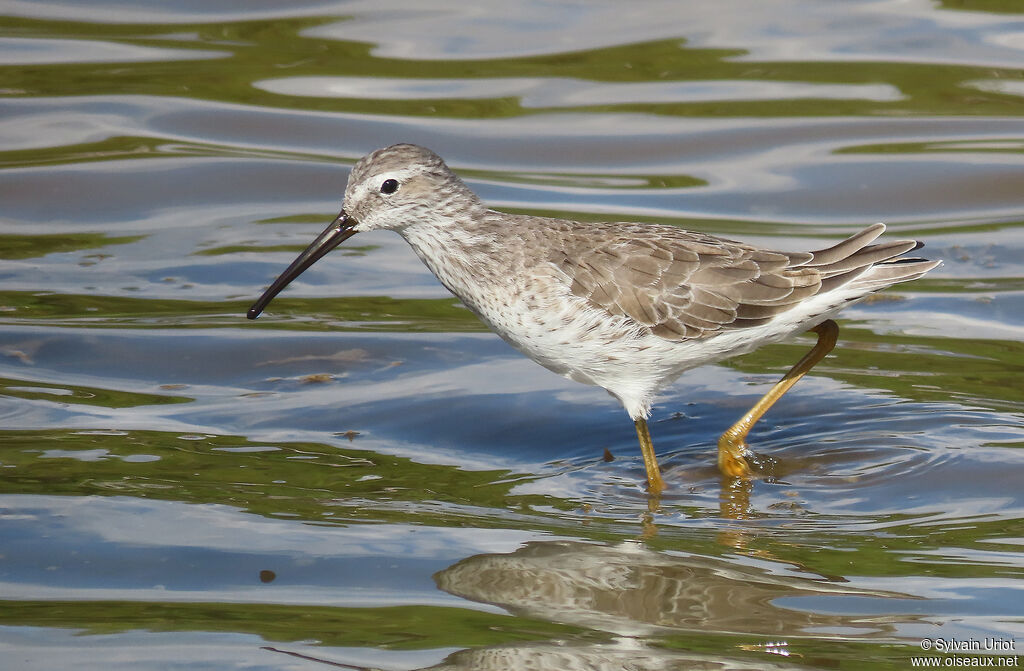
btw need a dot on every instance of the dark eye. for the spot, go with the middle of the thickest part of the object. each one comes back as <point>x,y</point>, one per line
<point>389,186</point>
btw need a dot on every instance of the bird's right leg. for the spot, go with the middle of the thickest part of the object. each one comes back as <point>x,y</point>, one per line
<point>654,482</point>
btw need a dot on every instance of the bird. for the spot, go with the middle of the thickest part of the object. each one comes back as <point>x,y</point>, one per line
<point>624,306</point>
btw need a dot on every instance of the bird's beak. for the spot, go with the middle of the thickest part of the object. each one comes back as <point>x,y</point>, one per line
<point>339,231</point>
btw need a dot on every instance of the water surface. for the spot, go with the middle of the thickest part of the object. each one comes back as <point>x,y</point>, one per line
<point>365,476</point>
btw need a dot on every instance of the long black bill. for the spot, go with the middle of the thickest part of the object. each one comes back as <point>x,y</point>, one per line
<point>339,231</point>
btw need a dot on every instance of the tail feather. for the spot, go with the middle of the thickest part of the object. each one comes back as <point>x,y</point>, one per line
<point>868,267</point>
<point>846,248</point>
<point>868,256</point>
<point>898,270</point>
<point>836,281</point>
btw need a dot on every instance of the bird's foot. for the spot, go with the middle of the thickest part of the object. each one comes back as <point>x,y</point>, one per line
<point>655,485</point>
<point>737,460</point>
<point>732,457</point>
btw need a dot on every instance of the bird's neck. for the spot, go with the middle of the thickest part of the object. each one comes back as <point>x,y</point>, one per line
<point>459,251</point>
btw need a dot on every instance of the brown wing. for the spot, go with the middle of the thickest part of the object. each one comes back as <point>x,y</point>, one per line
<point>685,285</point>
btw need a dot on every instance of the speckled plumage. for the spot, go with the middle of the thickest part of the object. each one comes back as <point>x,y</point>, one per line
<point>625,306</point>
<point>628,307</point>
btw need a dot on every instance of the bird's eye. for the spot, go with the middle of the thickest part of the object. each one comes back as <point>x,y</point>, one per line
<point>389,186</point>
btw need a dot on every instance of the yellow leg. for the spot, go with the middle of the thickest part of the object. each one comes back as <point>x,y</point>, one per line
<point>654,482</point>
<point>732,445</point>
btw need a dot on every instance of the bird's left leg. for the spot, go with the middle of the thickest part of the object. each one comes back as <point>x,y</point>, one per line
<point>732,447</point>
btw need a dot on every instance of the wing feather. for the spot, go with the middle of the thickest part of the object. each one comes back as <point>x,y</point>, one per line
<point>684,285</point>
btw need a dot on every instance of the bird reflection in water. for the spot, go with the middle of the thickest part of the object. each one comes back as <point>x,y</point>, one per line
<point>628,589</point>
<point>631,597</point>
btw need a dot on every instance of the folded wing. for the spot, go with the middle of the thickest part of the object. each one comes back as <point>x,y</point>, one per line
<point>685,285</point>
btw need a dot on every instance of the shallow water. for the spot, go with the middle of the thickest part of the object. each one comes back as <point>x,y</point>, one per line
<point>365,476</point>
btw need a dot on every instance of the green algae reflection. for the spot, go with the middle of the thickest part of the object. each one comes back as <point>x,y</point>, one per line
<point>395,628</point>
<point>244,53</point>
<point>308,481</point>
<point>74,394</point>
<point>354,313</point>
<point>15,247</point>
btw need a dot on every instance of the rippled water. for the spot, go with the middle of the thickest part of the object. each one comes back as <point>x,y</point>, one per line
<point>366,476</point>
